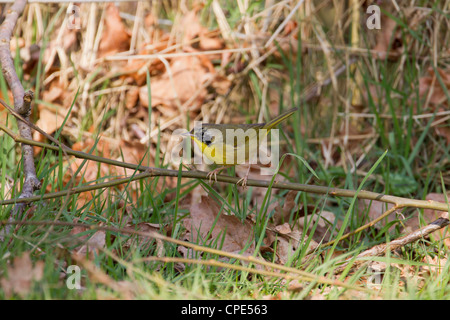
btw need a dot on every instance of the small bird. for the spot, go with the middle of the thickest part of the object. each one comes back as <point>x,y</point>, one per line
<point>233,144</point>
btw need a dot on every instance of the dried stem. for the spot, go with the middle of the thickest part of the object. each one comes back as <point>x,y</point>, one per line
<point>368,225</point>
<point>267,273</point>
<point>381,249</point>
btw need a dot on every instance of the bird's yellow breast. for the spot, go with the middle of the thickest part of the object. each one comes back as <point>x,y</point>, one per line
<point>224,154</point>
<point>212,153</point>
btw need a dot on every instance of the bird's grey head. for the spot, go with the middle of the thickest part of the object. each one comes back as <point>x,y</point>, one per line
<point>205,134</point>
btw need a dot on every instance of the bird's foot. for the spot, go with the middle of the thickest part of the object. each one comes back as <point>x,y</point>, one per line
<point>214,173</point>
<point>243,181</point>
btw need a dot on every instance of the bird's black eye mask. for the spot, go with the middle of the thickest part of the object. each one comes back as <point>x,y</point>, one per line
<point>204,135</point>
<point>207,137</point>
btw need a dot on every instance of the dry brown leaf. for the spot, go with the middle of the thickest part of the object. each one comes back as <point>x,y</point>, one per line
<point>133,152</point>
<point>283,214</point>
<point>30,57</point>
<point>54,92</point>
<point>150,20</point>
<point>431,86</point>
<point>51,118</point>
<point>283,229</point>
<point>259,194</point>
<point>103,147</point>
<point>284,250</point>
<point>193,27</point>
<point>91,170</point>
<point>375,210</point>
<point>130,152</point>
<point>183,83</point>
<point>431,91</point>
<point>221,84</point>
<point>429,216</point>
<point>444,132</point>
<point>324,225</point>
<point>159,42</point>
<point>94,241</point>
<point>436,265</point>
<point>21,274</point>
<point>57,93</point>
<point>115,37</point>
<point>187,74</point>
<point>238,234</point>
<point>389,40</point>
<point>288,241</point>
<point>4,113</point>
<point>49,121</point>
<point>137,68</point>
<point>131,98</point>
<point>144,242</point>
<point>194,30</point>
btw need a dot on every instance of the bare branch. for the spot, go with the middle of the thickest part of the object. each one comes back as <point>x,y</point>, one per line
<point>8,70</point>
<point>381,249</point>
<point>22,100</point>
<point>160,172</point>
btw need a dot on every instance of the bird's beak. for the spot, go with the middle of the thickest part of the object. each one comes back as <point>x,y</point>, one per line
<point>187,134</point>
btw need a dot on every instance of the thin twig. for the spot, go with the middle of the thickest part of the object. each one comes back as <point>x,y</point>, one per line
<point>216,263</point>
<point>30,124</point>
<point>70,191</point>
<point>27,101</point>
<point>284,23</point>
<point>154,172</point>
<point>381,249</point>
<point>368,225</point>
<point>160,172</point>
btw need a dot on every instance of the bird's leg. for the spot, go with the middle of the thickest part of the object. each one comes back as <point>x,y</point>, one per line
<point>214,173</point>
<point>243,181</point>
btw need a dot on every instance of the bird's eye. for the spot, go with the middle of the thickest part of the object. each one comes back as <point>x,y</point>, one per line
<point>208,137</point>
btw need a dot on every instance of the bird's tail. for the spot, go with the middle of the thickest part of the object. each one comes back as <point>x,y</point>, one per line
<point>274,122</point>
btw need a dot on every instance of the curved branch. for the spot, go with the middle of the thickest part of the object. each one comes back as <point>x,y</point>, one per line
<point>381,249</point>
<point>159,172</point>
<point>8,70</point>
<point>22,99</point>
